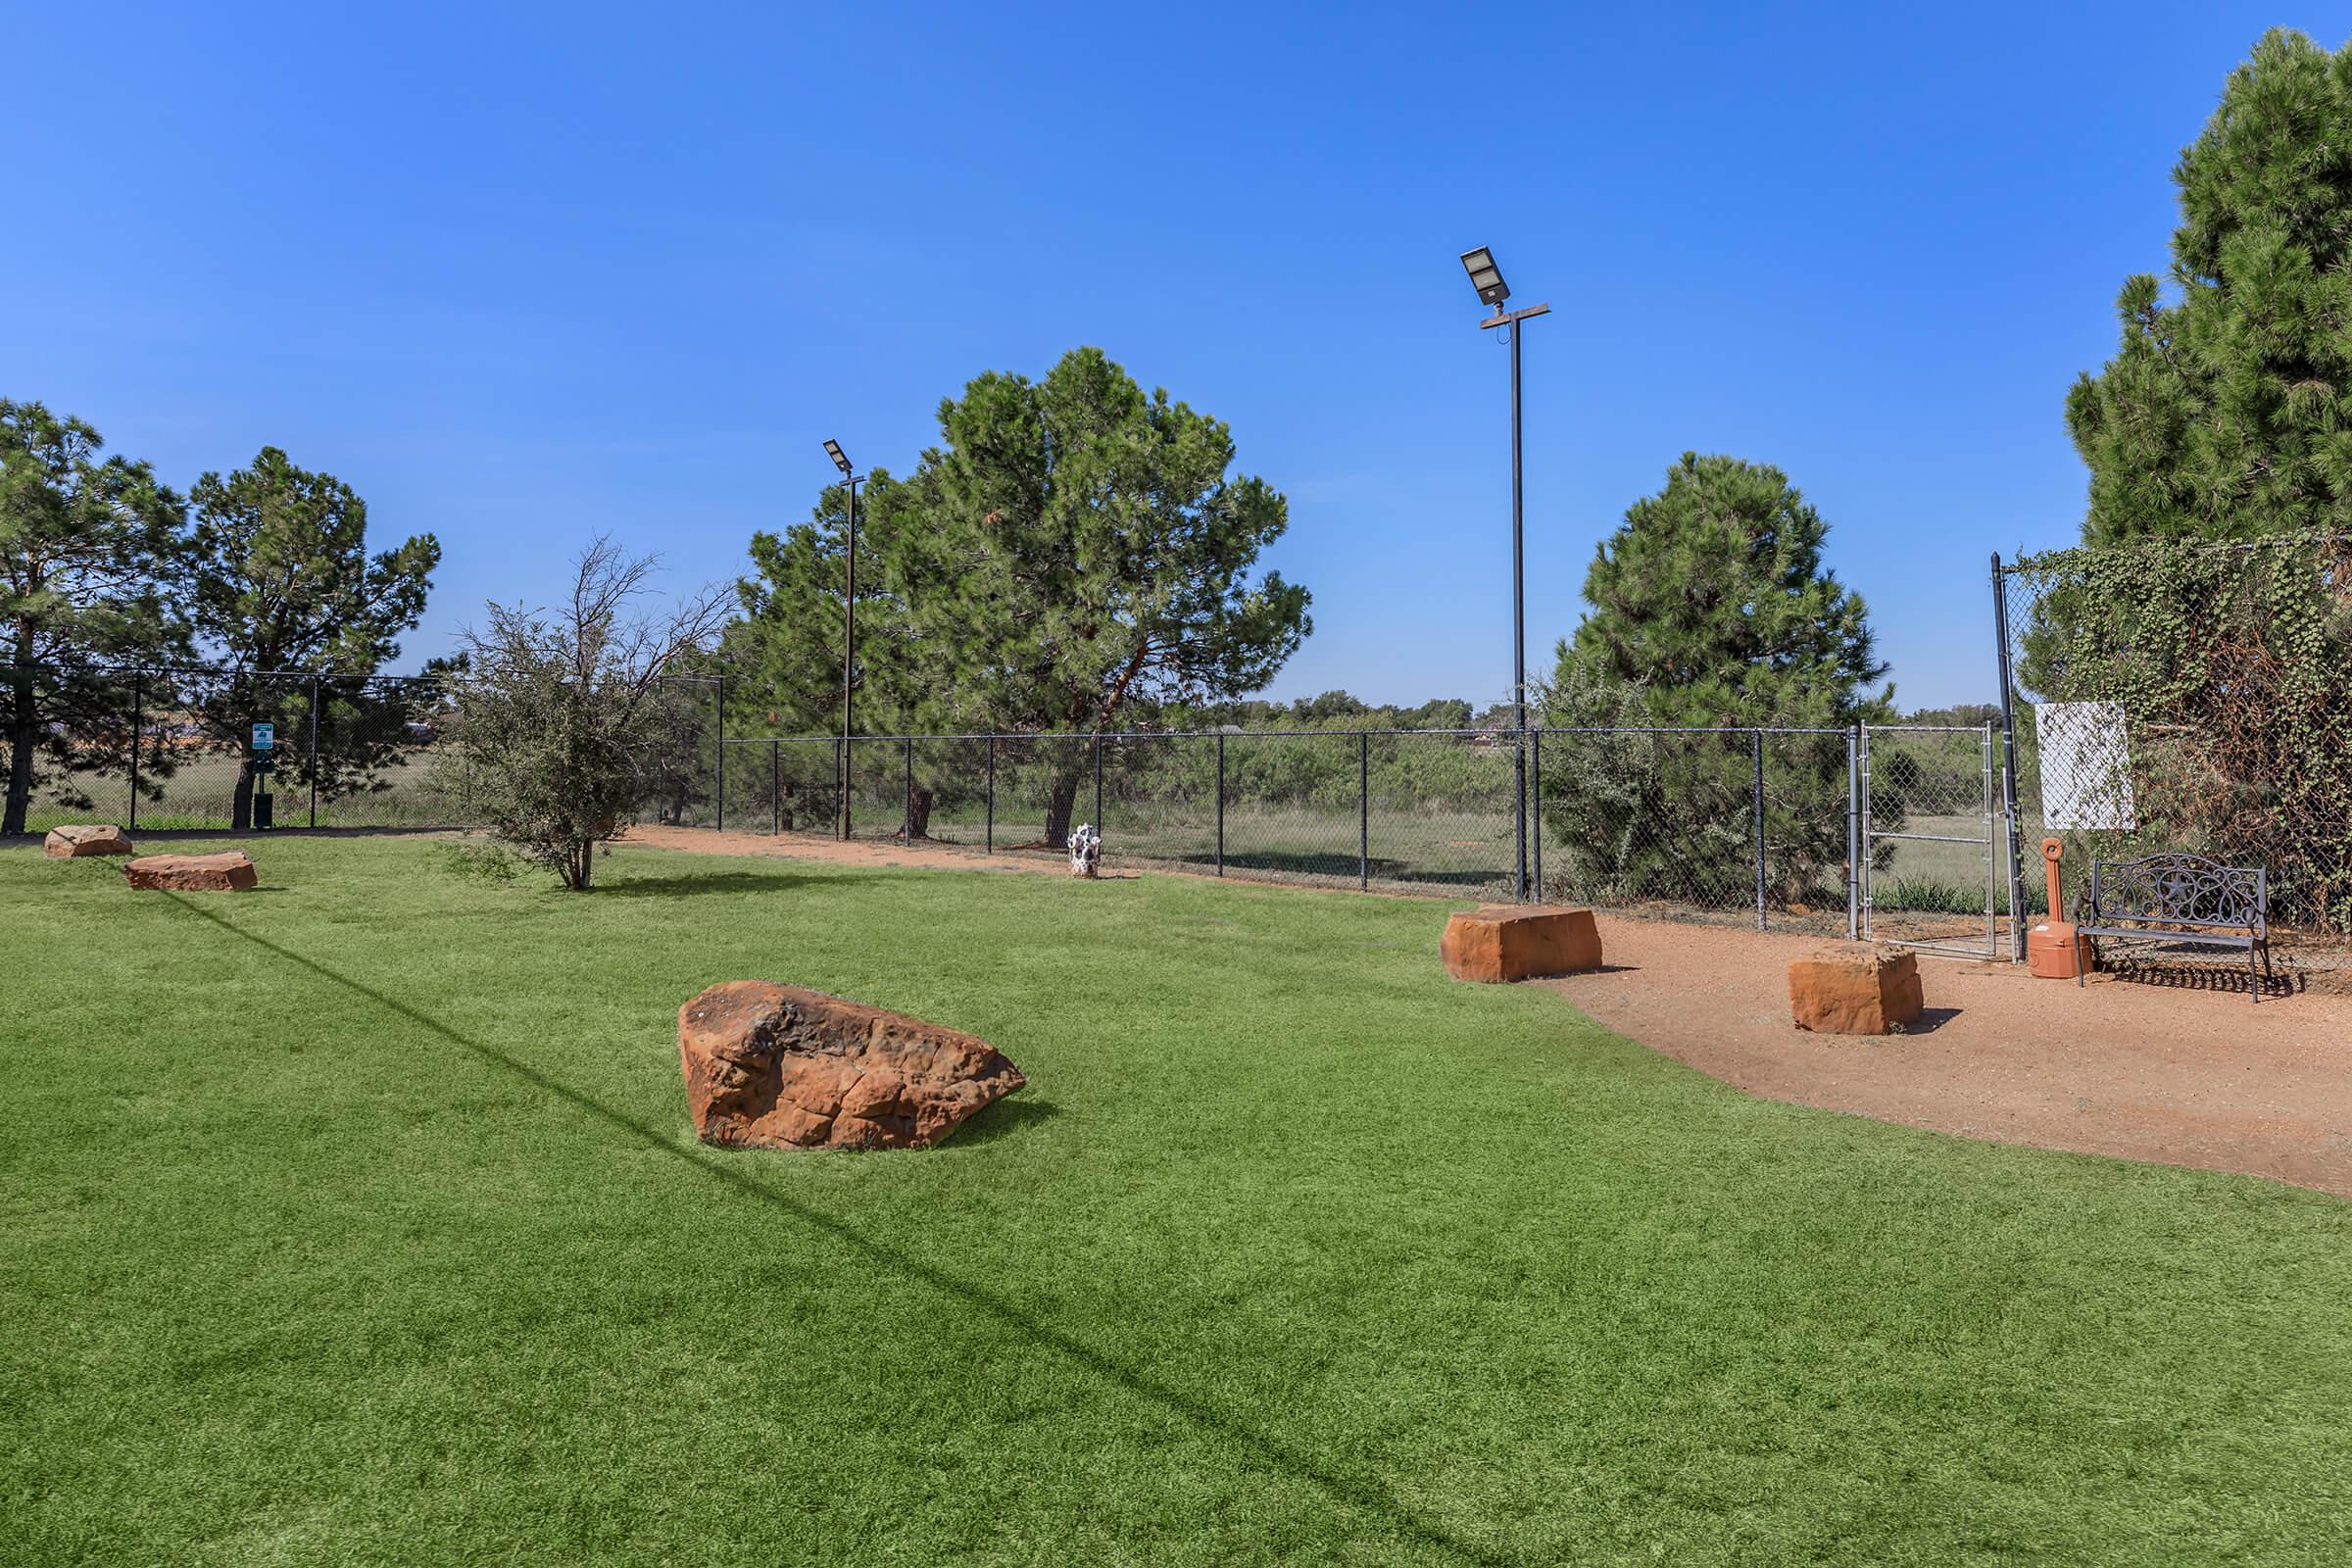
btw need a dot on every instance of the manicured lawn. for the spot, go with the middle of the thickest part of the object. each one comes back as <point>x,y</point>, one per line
<point>357,1220</point>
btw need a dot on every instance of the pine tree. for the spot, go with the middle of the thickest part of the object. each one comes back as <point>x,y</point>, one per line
<point>2227,412</point>
<point>1710,607</point>
<point>83,541</point>
<point>1074,551</point>
<point>277,576</point>
<point>1711,599</point>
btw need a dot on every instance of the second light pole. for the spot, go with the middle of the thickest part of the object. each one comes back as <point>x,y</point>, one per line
<point>848,628</point>
<point>1487,278</point>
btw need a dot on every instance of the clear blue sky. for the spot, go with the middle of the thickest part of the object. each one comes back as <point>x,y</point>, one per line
<point>525,274</point>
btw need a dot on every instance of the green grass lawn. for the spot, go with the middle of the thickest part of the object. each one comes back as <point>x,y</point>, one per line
<point>358,1222</point>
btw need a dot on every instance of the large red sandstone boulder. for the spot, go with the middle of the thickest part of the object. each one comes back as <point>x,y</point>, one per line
<point>226,873</point>
<point>1519,942</point>
<point>1845,990</point>
<point>780,1067</point>
<point>84,838</point>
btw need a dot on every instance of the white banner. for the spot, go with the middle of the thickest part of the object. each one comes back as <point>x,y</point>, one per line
<point>2085,766</point>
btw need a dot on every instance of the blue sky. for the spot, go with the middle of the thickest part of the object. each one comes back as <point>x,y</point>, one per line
<point>524,274</point>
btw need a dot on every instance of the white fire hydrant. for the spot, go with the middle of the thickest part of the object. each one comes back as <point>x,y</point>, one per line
<point>1086,851</point>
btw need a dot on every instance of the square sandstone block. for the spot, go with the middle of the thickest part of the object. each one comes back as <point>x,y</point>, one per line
<point>1519,942</point>
<point>1854,991</point>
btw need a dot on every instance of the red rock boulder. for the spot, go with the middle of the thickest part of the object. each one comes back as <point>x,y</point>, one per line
<point>1519,942</point>
<point>84,838</point>
<point>1847,991</point>
<point>780,1067</point>
<point>227,872</point>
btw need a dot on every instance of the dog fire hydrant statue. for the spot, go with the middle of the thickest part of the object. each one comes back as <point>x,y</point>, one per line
<point>1085,850</point>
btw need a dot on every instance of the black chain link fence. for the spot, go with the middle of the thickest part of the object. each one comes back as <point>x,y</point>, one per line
<point>1753,824</point>
<point>167,748</point>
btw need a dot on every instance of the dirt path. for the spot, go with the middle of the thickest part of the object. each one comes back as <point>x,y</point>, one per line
<point>2179,1077</point>
<point>2138,1071</point>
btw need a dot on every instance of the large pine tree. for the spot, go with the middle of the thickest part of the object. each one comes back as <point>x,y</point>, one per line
<point>1711,604</point>
<point>1710,607</point>
<point>2227,412</point>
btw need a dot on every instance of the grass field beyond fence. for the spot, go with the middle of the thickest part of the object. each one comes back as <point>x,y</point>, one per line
<point>357,1220</point>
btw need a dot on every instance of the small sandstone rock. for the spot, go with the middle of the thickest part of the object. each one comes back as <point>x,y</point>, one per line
<point>782,1067</point>
<point>84,838</point>
<point>1519,942</point>
<point>227,872</point>
<point>1842,991</point>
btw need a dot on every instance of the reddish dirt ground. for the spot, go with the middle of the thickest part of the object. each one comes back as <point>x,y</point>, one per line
<point>2125,1068</point>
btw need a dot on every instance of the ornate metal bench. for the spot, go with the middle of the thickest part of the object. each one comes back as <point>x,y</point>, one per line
<point>2181,898</point>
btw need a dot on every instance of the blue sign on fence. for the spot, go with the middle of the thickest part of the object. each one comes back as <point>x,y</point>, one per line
<point>264,736</point>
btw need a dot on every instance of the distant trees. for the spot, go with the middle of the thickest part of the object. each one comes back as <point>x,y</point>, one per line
<point>2227,410</point>
<point>83,544</point>
<point>562,711</point>
<point>275,575</point>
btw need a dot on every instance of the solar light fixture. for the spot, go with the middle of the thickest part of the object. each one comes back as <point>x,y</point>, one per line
<point>833,451</point>
<point>1486,276</point>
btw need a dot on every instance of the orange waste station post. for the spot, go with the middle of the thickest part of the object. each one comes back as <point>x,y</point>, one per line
<point>2053,950</point>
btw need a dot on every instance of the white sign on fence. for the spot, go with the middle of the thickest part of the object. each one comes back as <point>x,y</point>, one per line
<point>2085,766</point>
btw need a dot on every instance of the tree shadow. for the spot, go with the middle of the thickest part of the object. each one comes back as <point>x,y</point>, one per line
<point>1364,1496</point>
<point>676,887</point>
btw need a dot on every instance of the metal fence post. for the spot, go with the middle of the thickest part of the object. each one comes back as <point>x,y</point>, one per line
<point>906,820</point>
<point>1853,832</point>
<point>314,751</point>
<point>1992,929</point>
<point>992,794</point>
<point>775,787</point>
<point>1363,811</point>
<point>2017,888</point>
<point>1220,802</point>
<point>1757,736</point>
<point>136,675</point>
<point>1519,768</point>
<point>719,754</point>
<point>1862,864</point>
<point>1536,808</point>
<point>1097,781</point>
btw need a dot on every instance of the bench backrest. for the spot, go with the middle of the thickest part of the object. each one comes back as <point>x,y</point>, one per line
<point>2180,890</point>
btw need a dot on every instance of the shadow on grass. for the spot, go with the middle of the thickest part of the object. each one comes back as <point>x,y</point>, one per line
<point>1365,1497</point>
<point>1003,1119</point>
<point>685,887</point>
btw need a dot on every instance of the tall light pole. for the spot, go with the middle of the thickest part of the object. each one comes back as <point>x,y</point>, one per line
<point>1487,278</point>
<point>848,628</point>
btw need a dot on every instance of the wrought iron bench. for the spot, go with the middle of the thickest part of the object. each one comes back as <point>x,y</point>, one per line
<point>2181,898</point>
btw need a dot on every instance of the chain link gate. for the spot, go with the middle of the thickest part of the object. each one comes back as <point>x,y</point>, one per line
<point>1934,852</point>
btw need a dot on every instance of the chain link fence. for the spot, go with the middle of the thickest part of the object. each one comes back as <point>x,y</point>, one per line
<point>2165,698</point>
<point>2189,697</point>
<point>1756,825</point>
<point>163,749</point>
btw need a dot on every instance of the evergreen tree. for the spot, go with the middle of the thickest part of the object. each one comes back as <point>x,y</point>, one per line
<point>278,577</point>
<point>1710,607</point>
<point>1072,552</point>
<point>1712,599</point>
<point>2227,412</point>
<point>83,542</point>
